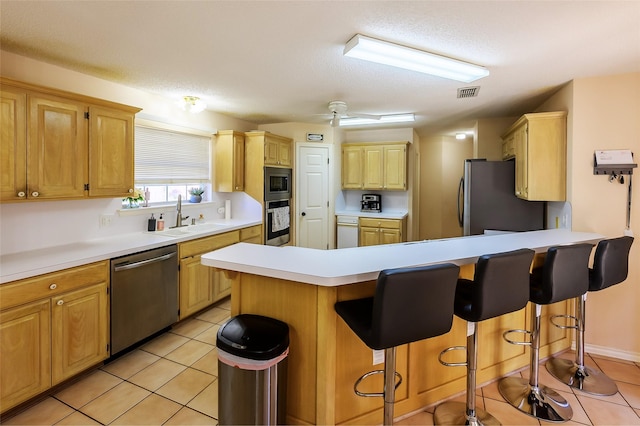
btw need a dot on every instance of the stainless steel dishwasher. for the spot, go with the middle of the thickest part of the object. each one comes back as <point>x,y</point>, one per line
<point>144,295</point>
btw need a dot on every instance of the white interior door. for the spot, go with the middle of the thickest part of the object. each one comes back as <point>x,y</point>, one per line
<point>312,195</point>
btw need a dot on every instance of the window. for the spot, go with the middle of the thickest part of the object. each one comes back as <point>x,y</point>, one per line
<point>169,162</point>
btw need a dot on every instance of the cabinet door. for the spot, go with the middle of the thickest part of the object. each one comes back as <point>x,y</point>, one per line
<point>25,367</point>
<point>520,142</point>
<point>284,153</point>
<point>13,144</point>
<point>390,236</point>
<point>373,173</point>
<point>79,335</point>
<point>196,286</point>
<point>110,152</point>
<point>395,167</point>
<point>229,161</point>
<point>57,148</point>
<point>270,152</point>
<point>351,167</point>
<point>221,285</point>
<point>368,236</point>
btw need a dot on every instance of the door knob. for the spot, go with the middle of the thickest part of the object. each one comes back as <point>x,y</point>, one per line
<point>303,214</point>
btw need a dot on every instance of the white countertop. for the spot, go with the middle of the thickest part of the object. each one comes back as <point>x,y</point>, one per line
<point>384,214</point>
<point>352,265</point>
<point>21,265</point>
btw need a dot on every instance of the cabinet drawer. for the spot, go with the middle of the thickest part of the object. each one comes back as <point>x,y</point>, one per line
<point>44,286</point>
<point>381,223</point>
<point>206,244</point>
<point>248,233</point>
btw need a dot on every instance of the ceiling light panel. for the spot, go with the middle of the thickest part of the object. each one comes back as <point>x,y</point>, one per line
<point>383,52</point>
<point>384,119</point>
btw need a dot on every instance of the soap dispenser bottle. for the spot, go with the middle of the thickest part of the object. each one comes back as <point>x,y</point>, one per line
<point>152,223</point>
<point>160,223</point>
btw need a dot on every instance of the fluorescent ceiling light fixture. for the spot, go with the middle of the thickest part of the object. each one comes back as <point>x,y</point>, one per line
<point>192,104</point>
<point>384,119</point>
<point>383,52</point>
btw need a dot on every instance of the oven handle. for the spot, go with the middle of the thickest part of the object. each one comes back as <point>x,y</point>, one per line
<point>125,266</point>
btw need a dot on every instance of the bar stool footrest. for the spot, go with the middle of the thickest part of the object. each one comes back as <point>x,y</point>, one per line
<point>371,373</point>
<point>542,402</point>
<point>515,342</point>
<point>584,378</point>
<point>564,326</point>
<point>452,364</point>
<point>455,413</point>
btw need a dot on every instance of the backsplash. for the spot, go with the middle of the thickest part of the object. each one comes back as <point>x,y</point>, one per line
<point>36,225</point>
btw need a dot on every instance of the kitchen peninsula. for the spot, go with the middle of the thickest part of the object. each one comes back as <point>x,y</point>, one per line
<point>300,287</point>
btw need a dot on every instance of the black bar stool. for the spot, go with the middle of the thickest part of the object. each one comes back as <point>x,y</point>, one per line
<point>564,275</point>
<point>610,267</point>
<point>410,304</point>
<point>500,286</point>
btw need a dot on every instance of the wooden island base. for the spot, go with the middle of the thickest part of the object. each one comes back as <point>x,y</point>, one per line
<point>326,357</point>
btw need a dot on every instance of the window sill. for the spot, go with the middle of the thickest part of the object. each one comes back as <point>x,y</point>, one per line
<point>162,208</point>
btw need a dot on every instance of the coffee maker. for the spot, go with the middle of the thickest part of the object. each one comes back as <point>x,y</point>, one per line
<point>371,203</point>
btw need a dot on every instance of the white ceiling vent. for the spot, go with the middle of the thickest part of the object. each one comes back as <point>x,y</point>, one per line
<point>468,92</point>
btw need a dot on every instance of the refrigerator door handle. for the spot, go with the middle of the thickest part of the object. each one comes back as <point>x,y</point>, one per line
<point>461,202</point>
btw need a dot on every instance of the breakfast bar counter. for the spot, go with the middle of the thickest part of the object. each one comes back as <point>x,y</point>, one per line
<point>300,287</point>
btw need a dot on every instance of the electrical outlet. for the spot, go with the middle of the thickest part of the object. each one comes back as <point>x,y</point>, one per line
<point>105,220</point>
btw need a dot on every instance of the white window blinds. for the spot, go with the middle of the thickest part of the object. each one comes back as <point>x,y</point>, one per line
<point>165,156</point>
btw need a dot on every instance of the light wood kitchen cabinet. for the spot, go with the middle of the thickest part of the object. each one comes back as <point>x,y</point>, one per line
<point>61,145</point>
<point>277,150</point>
<point>54,326</point>
<point>229,146</point>
<point>380,166</point>
<point>374,231</point>
<point>252,235</point>
<point>201,286</point>
<point>540,148</point>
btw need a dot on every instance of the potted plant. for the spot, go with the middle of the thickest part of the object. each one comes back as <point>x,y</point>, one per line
<point>133,200</point>
<point>196,194</point>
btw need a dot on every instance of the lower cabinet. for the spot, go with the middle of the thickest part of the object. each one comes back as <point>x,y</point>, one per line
<point>201,286</point>
<point>374,232</point>
<point>46,340</point>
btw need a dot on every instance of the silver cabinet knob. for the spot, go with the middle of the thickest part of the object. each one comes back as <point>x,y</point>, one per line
<point>60,302</point>
<point>53,286</point>
<point>130,190</point>
<point>35,193</point>
<point>21,194</point>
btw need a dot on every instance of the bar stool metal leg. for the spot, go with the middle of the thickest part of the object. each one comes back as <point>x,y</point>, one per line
<point>528,396</point>
<point>576,374</point>
<point>457,413</point>
<point>389,384</point>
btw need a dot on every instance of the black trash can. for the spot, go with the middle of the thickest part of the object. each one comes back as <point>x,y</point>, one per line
<point>252,371</point>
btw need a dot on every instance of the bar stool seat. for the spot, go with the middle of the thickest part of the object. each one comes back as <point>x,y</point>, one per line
<point>500,286</point>
<point>610,267</point>
<point>410,304</point>
<point>564,275</point>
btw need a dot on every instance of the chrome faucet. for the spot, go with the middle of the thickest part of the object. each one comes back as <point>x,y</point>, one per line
<point>179,217</point>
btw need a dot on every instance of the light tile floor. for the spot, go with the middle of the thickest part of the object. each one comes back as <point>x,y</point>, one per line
<point>172,380</point>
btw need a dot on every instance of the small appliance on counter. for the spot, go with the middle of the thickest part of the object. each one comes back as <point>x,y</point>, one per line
<point>371,203</point>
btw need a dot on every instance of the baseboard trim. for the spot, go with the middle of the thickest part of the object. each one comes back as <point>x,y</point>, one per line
<point>610,352</point>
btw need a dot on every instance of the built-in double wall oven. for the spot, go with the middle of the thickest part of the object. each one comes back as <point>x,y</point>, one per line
<point>277,211</point>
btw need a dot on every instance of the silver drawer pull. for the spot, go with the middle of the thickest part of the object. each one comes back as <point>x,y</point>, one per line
<point>53,286</point>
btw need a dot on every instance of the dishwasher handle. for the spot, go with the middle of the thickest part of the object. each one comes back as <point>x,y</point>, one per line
<point>125,266</point>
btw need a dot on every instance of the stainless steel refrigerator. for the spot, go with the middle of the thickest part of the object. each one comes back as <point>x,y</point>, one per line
<point>486,200</point>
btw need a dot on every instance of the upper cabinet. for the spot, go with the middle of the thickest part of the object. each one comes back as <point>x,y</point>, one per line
<point>379,166</point>
<point>229,146</point>
<point>57,145</point>
<point>539,144</point>
<point>277,150</point>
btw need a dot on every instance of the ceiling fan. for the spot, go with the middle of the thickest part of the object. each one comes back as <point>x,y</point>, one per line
<point>339,110</point>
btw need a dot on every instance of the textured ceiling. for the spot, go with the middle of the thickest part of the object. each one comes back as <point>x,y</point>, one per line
<point>275,61</point>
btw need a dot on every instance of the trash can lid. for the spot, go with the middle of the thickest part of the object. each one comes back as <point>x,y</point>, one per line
<point>253,337</point>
